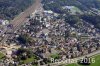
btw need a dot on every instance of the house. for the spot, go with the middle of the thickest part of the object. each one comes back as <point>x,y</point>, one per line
<point>4,22</point>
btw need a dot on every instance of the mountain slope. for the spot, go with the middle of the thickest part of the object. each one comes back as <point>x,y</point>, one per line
<point>10,8</point>
<point>88,10</point>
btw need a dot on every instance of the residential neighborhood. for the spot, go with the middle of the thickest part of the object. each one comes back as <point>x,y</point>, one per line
<point>44,34</point>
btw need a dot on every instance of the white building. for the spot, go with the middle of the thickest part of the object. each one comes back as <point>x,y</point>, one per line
<point>4,22</point>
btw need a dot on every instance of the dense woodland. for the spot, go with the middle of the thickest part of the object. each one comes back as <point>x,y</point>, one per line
<point>83,5</point>
<point>10,8</point>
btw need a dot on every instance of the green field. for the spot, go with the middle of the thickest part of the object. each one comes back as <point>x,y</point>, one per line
<point>55,56</point>
<point>1,55</point>
<point>71,65</point>
<point>97,62</point>
<point>28,60</point>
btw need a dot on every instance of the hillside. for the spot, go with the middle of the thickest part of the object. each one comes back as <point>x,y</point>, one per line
<point>81,4</point>
<point>86,10</point>
<point>10,8</point>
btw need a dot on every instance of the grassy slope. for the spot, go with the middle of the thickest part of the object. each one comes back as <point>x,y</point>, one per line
<point>1,55</point>
<point>97,62</point>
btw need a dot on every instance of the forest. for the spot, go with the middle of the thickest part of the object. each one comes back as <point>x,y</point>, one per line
<point>81,4</point>
<point>10,8</point>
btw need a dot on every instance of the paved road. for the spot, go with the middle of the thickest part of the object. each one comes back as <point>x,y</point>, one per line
<point>21,18</point>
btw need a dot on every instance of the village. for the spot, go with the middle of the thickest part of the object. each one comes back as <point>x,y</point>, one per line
<point>49,36</point>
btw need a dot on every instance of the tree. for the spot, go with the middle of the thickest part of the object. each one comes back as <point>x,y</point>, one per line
<point>25,39</point>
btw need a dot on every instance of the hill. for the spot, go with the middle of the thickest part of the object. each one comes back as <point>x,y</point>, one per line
<point>86,10</point>
<point>10,8</point>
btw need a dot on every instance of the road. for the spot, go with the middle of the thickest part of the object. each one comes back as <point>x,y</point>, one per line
<point>21,18</point>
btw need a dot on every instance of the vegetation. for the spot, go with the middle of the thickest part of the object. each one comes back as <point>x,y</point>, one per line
<point>71,65</point>
<point>82,8</point>
<point>25,56</point>
<point>55,56</point>
<point>96,58</point>
<point>1,55</point>
<point>10,8</point>
<point>25,39</point>
<point>72,19</point>
<point>92,18</point>
<point>77,3</point>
